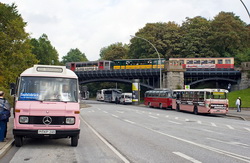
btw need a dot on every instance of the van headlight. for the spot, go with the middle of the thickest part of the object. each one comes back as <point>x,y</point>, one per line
<point>70,120</point>
<point>23,119</point>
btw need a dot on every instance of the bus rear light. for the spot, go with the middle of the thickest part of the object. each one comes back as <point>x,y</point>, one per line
<point>77,112</point>
<point>17,110</point>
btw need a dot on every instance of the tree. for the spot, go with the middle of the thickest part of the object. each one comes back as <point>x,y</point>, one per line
<point>15,48</point>
<point>230,35</point>
<point>194,41</point>
<point>44,51</point>
<point>164,36</point>
<point>74,55</point>
<point>114,51</point>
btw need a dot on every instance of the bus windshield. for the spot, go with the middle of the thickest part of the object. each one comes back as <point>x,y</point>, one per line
<point>48,89</point>
<point>216,95</point>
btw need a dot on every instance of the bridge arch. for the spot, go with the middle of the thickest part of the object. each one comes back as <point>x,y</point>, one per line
<point>114,80</point>
<point>215,79</point>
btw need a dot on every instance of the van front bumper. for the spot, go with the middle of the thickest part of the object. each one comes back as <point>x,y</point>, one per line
<point>55,134</point>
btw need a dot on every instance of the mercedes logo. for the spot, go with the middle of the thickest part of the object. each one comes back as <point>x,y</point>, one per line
<point>47,120</point>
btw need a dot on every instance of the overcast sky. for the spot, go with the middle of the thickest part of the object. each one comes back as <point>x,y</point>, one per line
<point>90,25</point>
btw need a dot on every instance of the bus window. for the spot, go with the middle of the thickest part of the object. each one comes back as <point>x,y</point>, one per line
<point>201,96</point>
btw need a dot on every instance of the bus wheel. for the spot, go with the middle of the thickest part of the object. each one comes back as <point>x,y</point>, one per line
<point>196,110</point>
<point>74,141</point>
<point>177,107</point>
<point>18,141</point>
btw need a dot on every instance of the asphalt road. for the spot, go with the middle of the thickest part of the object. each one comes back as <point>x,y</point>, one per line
<point>125,133</point>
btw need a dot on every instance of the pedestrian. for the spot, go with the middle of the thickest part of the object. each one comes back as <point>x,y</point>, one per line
<point>4,115</point>
<point>238,104</point>
<point>229,87</point>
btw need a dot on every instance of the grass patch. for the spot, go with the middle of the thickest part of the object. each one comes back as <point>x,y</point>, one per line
<point>243,94</point>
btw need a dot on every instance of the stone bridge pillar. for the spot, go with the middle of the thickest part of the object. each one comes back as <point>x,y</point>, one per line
<point>173,75</point>
<point>245,76</point>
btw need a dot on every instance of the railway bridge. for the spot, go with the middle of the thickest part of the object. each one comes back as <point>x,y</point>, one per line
<point>173,75</point>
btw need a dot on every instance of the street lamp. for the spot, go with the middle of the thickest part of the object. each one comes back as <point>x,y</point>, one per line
<point>245,8</point>
<point>159,62</point>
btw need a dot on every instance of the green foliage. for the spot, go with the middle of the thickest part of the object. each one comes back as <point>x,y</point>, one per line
<point>15,49</point>
<point>230,35</point>
<point>195,32</point>
<point>114,51</point>
<point>224,36</point>
<point>164,36</point>
<point>74,55</point>
<point>44,51</point>
<point>243,94</point>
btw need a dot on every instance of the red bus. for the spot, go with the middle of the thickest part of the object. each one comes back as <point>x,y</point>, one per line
<point>209,101</point>
<point>158,98</point>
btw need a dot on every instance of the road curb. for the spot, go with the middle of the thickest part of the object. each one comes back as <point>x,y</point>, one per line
<point>230,115</point>
<point>6,147</point>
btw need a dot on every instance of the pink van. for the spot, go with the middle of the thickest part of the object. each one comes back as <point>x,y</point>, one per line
<point>46,104</point>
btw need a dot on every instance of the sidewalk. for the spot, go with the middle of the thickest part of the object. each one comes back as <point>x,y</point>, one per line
<point>5,146</point>
<point>244,114</point>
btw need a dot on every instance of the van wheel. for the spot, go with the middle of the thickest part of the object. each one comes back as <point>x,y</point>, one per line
<point>196,110</point>
<point>18,141</point>
<point>74,141</point>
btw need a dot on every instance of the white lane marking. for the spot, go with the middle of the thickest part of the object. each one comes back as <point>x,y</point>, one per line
<point>120,112</point>
<point>213,124</point>
<point>248,129</point>
<point>175,122</point>
<point>223,152</point>
<point>207,130</point>
<point>231,143</point>
<point>107,143</point>
<point>105,112</point>
<point>153,117</point>
<point>158,114</point>
<point>99,109</point>
<point>167,116</point>
<point>187,120</point>
<point>199,122</point>
<point>149,113</point>
<point>114,115</point>
<point>129,121</point>
<point>230,127</point>
<point>187,157</point>
<point>176,118</point>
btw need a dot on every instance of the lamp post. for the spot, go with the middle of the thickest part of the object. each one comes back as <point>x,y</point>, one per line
<point>245,8</point>
<point>159,62</point>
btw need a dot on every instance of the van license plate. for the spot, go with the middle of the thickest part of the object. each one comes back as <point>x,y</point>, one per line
<point>46,131</point>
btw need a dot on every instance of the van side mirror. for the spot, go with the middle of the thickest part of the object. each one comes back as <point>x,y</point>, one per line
<point>12,89</point>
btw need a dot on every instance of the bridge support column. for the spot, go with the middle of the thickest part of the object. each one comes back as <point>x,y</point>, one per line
<point>245,76</point>
<point>173,76</point>
<point>135,91</point>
